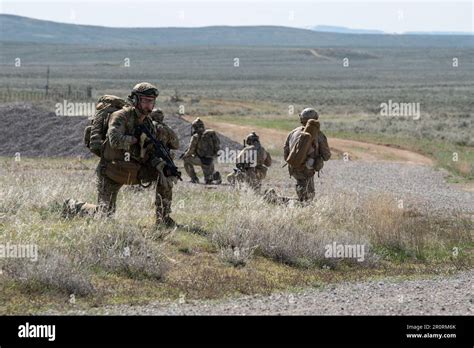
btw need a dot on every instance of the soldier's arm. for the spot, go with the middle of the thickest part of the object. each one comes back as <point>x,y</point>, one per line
<point>286,147</point>
<point>116,132</point>
<point>192,147</point>
<point>324,150</point>
<point>241,156</point>
<point>268,159</point>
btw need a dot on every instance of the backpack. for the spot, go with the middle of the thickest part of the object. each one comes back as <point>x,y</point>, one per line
<point>301,146</point>
<point>267,162</point>
<point>96,131</point>
<point>209,144</point>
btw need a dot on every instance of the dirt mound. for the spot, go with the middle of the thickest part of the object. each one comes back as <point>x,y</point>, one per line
<point>35,132</point>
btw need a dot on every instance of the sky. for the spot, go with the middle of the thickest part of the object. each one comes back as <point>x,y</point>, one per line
<point>388,16</point>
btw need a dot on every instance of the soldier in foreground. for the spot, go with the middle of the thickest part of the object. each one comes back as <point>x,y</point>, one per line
<point>202,150</point>
<point>252,164</point>
<point>305,150</point>
<point>130,154</point>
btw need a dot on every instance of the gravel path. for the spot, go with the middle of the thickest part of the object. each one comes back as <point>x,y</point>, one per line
<point>409,177</point>
<point>437,296</point>
<point>420,187</point>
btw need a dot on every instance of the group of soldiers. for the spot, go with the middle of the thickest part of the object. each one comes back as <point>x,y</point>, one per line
<point>122,145</point>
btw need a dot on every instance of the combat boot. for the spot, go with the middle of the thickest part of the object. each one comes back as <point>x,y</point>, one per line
<point>69,209</point>
<point>217,178</point>
<point>166,221</point>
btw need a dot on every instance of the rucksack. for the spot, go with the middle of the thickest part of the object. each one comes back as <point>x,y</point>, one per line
<point>209,144</point>
<point>267,162</point>
<point>302,144</point>
<point>95,133</point>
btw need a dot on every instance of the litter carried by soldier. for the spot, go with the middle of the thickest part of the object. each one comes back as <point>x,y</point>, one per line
<point>305,150</point>
<point>202,151</point>
<point>132,151</point>
<point>252,164</point>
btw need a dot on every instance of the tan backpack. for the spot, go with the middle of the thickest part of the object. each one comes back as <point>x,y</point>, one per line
<point>96,131</point>
<point>301,147</point>
<point>209,144</point>
<point>267,162</point>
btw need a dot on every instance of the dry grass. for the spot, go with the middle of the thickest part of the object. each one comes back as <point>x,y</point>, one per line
<point>298,235</point>
<point>52,271</point>
<point>124,260</point>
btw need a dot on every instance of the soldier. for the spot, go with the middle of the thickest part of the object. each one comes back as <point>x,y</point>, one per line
<point>165,133</point>
<point>124,148</point>
<point>314,158</point>
<point>202,149</point>
<point>169,138</point>
<point>252,163</point>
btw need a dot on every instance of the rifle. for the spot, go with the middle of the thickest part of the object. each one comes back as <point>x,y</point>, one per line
<point>241,166</point>
<point>162,152</point>
<point>182,155</point>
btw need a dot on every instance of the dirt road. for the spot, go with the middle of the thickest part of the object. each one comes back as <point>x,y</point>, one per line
<point>356,150</point>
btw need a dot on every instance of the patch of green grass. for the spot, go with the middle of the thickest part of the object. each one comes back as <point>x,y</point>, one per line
<point>457,159</point>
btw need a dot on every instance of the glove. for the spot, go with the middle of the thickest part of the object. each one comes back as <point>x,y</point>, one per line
<point>96,150</point>
<point>160,165</point>
<point>309,163</point>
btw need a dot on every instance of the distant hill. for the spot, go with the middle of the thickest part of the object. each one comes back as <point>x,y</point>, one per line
<point>345,30</point>
<point>440,33</point>
<point>22,29</point>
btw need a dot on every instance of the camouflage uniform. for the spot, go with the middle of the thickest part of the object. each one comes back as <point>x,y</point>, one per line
<point>164,193</point>
<point>252,164</point>
<point>319,152</point>
<point>106,198</point>
<point>119,146</point>
<point>197,155</point>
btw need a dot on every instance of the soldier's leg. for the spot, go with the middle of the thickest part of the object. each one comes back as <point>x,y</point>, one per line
<point>260,174</point>
<point>107,194</point>
<point>163,199</point>
<point>106,197</point>
<point>189,163</point>
<point>217,178</point>
<point>236,178</point>
<point>231,178</point>
<point>304,184</point>
<point>252,179</point>
<point>209,174</point>
<point>73,208</point>
<point>208,170</point>
<point>301,184</point>
<point>305,188</point>
<point>310,188</point>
